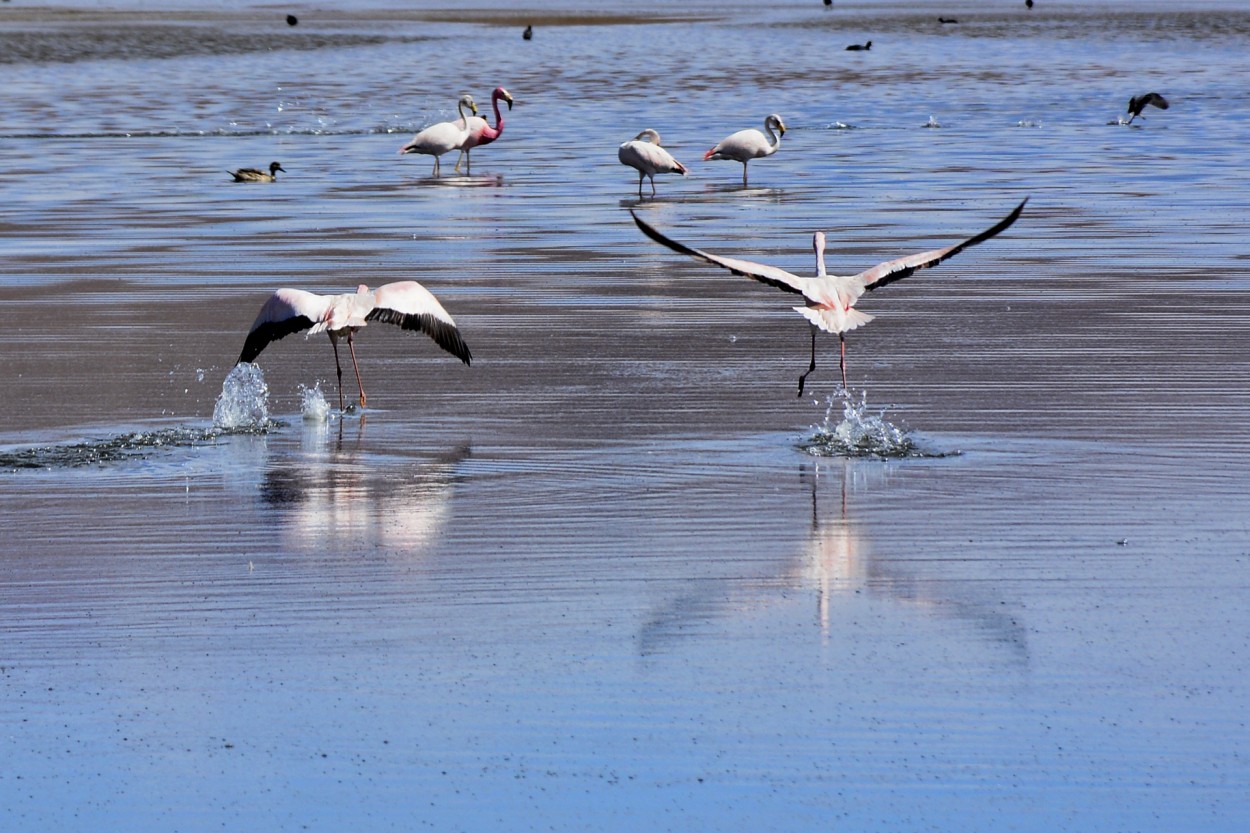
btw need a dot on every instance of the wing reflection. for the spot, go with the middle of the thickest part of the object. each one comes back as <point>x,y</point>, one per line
<point>337,497</point>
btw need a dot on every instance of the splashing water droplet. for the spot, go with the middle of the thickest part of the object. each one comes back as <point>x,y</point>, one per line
<point>313,403</point>
<point>244,400</point>
<point>860,433</point>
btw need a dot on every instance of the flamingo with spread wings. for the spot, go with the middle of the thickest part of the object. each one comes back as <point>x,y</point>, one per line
<point>405,303</point>
<point>831,298</point>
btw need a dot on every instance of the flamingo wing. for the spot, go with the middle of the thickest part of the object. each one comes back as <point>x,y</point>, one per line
<point>894,270</point>
<point>411,306</point>
<point>762,272</point>
<point>287,311</point>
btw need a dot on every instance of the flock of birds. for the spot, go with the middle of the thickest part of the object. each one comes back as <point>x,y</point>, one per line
<point>829,300</point>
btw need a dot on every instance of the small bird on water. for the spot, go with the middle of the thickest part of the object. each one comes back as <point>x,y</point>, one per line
<point>253,175</point>
<point>831,298</point>
<point>859,47</point>
<point>1139,103</point>
<point>292,20</point>
<point>528,34</point>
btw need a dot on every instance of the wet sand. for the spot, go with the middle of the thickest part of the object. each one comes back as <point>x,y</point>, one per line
<point>594,581</point>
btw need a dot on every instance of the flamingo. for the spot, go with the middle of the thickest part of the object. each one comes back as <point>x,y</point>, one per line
<point>253,175</point>
<point>406,303</point>
<point>480,131</point>
<point>746,145</point>
<point>1138,103</point>
<point>648,158</point>
<point>439,138</point>
<point>831,298</point>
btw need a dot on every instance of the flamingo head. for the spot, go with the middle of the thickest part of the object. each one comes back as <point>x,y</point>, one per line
<point>501,94</point>
<point>650,134</point>
<point>362,289</point>
<point>777,123</point>
<point>467,101</point>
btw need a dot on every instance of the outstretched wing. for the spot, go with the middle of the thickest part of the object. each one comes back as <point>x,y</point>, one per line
<point>762,272</point>
<point>894,270</point>
<point>287,311</point>
<point>413,307</point>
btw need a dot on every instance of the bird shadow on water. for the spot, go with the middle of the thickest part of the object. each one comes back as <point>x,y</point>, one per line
<point>853,428</point>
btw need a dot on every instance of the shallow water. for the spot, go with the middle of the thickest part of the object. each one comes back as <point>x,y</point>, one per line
<point>599,579</point>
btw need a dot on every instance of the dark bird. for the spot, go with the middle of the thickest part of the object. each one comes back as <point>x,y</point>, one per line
<point>831,298</point>
<point>1028,4</point>
<point>855,47</point>
<point>528,34</point>
<point>1139,103</point>
<point>947,20</point>
<point>292,20</point>
<point>405,303</point>
<point>253,175</point>
<point>828,2</point>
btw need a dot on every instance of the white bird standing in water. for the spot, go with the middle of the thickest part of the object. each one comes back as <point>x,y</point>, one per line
<point>405,303</point>
<point>648,158</point>
<point>445,136</point>
<point>749,144</point>
<point>831,298</point>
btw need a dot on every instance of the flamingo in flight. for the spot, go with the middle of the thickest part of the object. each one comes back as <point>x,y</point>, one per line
<point>831,298</point>
<point>749,144</point>
<point>480,131</point>
<point>405,303</point>
<point>648,158</point>
<point>445,136</point>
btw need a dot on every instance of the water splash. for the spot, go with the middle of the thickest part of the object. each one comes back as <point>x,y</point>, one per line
<point>244,401</point>
<point>313,404</point>
<point>860,433</point>
<point>932,122</point>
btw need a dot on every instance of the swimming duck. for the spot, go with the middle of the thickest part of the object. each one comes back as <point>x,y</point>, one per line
<point>253,175</point>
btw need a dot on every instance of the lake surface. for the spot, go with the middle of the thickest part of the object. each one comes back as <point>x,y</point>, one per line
<point>611,576</point>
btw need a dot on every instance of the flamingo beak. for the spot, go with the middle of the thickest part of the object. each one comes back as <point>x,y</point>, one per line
<point>509,100</point>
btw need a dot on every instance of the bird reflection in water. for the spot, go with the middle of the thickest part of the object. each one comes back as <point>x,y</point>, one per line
<point>332,498</point>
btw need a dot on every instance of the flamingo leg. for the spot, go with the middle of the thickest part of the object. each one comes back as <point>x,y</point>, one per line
<point>841,360</point>
<point>640,176</point>
<point>334,342</point>
<point>436,166</point>
<point>812,366</point>
<point>652,178</point>
<point>352,348</point>
<point>744,174</point>
<point>458,161</point>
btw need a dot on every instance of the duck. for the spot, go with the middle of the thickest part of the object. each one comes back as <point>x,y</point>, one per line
<point>253,175</point>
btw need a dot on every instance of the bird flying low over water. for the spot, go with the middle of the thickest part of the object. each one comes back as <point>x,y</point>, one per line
<point>831,298</point>
<point>480,131</point>
<point>253,175</point>
<point>405,303</point>
<point>1138,103</point>
<point>749,144</point>
<point>440,138</point>
<point>644,154</point>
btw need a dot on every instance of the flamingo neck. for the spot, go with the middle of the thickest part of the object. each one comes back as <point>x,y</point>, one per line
<point>498,116</point>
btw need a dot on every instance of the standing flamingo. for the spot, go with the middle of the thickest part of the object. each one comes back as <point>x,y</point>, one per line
<point>439,138</point>
<point>831,298</point>
<point>648,158</point>
<point>406,303</point>
<point>480,131</point>
<point>746,145</point>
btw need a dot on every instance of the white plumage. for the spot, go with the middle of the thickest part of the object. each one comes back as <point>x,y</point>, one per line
<point>746,145</point>
<point>443,137</point>
<point>644,154</point>
<point>831,298</point>
<point>407,304</point>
